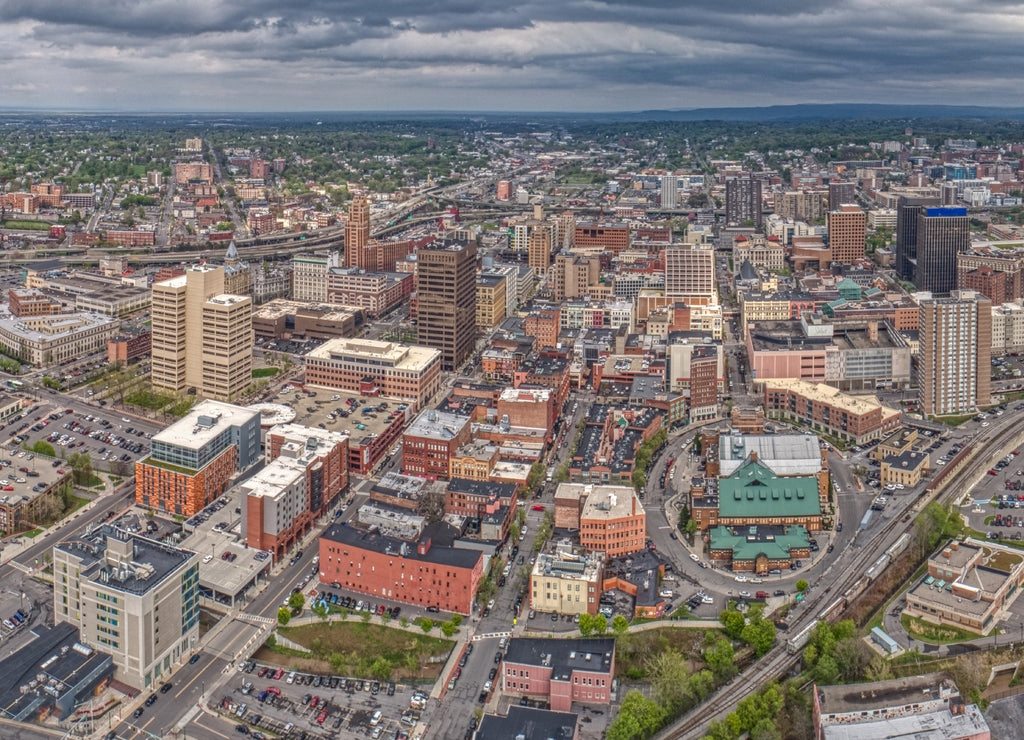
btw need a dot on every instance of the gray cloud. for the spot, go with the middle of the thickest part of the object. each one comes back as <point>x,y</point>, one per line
<point>482,54</point>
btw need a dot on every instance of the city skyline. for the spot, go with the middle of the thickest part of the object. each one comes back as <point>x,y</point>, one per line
<point>324,56</point>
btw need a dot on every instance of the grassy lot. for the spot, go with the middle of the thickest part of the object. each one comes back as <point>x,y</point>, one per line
<point>148,399</point>
<point>934,633</point>
<point>1003,561</point>
<point>77,502</point>
<point>353,649</point>
<point>265,372</point>
<point>953,421</point>
<point>26,225</point>
<point>32,532</point>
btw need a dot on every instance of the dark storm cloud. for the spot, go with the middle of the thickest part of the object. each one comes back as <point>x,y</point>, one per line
<point>488,54</point>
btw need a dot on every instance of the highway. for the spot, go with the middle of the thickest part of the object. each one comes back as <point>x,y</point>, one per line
<point>991,444</point>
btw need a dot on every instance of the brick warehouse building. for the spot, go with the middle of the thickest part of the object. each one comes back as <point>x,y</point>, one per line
<point>418,573</point>
<point>560,671</point>
<point>431,441</point>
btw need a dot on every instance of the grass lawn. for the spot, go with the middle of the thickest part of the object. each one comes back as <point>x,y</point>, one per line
<point>77,502</point>
<point>32,532</point>
<point>351,648</point>
<point>265,372</point>
<point>953,421</point>
<point>26,225</point>
<point>1003,561</point>
<point>935,633</point>
<point>148,399</point>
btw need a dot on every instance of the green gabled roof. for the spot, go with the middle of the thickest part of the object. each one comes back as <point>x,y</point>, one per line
<point>754,490</point>
<point>748,547</point>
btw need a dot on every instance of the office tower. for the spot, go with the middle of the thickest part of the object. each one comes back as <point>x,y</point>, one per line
<point>669,191</point>
<point>539,249</point>
<point>955,353</point>
<point>690,275</point>
<point>309,276</point>
<point>202,336</point>
<point>357,233</point>
<point>841,192</point>
<point>942,234</point>
<point>907,209</point>
<point>446,290</point>
<point>743,201</point>
<point>846,232</point>
<point>132,597</point>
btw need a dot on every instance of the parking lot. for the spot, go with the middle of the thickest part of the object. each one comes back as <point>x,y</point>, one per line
<point>271,701</point>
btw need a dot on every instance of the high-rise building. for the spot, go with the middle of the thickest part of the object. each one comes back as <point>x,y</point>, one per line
<point>202,336</point>
<point>743,201</point>
<point>669,191</point>
<point>538,247</point>
<point>132,597</point>
<point>690,275</point>
<point>357,233</point>
<point>954,370</point>
<point>841,192</point>
<point>309,276</point>
<point>907,209</point>
<point>446,290</point>
<point>942,234</point>
<point>847,226</point>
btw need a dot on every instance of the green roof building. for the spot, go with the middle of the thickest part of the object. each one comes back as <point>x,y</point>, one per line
<point>754,494</point>
<point>759,549</point>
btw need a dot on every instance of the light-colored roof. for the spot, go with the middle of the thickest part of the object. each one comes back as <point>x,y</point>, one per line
<point>822,393</point>
<point>195,430</point>
<point>785,454</point>
<point>372,352</point>
<point>611,502</point>
<point>274,478</point>
<point>436,425</point>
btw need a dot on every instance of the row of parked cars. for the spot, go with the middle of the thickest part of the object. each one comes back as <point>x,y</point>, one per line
<point>16,620</point>
<point>329,598</point>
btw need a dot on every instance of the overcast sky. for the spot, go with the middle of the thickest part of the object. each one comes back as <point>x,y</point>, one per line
<point>560,55</point>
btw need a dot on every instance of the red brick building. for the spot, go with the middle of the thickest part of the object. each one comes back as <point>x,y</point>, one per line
<point>604,236</point>
<point>418,573</point>
<point>431,441</point>
<point>130,237</point>
<point>544,324</point>
<point>703,384</point>
<point>160,485</point>
<point>125,348</point>
<point>560,672</point>
<point>313,447</point>
<point>856,419</point>
<point>990,283</point>
<point>31,302</point>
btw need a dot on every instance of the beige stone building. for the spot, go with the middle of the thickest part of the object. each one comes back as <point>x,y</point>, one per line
<point>567,581</point>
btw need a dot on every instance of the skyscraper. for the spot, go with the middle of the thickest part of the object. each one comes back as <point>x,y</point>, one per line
<point>942,233</point>
<point>743,201</point>
<point>907,209</point>
<point>841,192</point>
<point>202,336</point>
<point>357,233</point>
<point>846,232</point>
<point>690,275</point>
<point>954,361</point>
<point>446,289</point>
<point>669,191</point>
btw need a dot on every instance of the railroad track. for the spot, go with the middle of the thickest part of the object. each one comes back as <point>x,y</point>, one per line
<point>988,446</point>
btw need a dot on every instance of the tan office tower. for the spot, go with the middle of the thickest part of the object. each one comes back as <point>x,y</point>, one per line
<point>357,233</point>
<point>446,289</point>
<point>202,337</point>
<point>954,361</point>
<point>539,249</point>
<point>846,232</point>
<point>690,275</point>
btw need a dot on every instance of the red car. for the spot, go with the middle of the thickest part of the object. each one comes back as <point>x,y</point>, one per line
<point>537,507</point>
<point>278,673</point>
<point>321,717</point>
<point>274,690</point>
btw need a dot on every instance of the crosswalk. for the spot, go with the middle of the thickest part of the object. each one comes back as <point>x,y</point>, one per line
<point>491,636</point>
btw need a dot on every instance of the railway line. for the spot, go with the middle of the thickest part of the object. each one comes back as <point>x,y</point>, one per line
<point>828,601</point>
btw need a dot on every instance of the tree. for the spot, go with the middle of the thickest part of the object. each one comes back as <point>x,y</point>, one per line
<point>425,624</point>
<point>638,718</point>
<point>700,685</point>
<point>720,659</point>
<point>852,656</point>
<point>669,673</point>
<point>283,616</point>
<point>586,624</point>
<point>296,601</point>
<point>801,585</point>
<point>320,609</point>
<point>448,629</point>
<point>457,619</point>
<point>826,670</point>
<point>381,668</point>
<point>733,622</point>
<point>620,625</point>
<point>760,635</point>
<point>600,624</point>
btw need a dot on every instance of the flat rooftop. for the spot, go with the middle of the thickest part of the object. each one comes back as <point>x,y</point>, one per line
<point>436,425</point>
<point>593,655</point>
<point>785,454</point>
<point>821,393</point>
<point>527,723</point>
<point>893,692</point>
<point>375,541</point>
<point>937,725</point>
<point>206,421</point>
<point>313,405</point>
<point>372,353</point>
<point>55,327</point>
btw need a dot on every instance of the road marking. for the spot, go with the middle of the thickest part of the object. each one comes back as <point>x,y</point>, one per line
<point>491,636</point>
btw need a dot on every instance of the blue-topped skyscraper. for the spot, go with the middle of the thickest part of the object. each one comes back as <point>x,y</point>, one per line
<point>942,233</point>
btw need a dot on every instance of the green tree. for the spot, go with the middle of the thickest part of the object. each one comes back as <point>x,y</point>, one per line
<point>296,601</point>
<point>721,660</point>
<point>448,629</point>
<point>852,656</point>
<point>700,685</point>
<point>801,585</point>
<point>381,668</point>
<point>586,624</point>
<point>638,718</point>
<point>320,609</point>
<point>733,622</point>
<point>826,670</point>
<point>669,673</point>
<point>457,619</point>
<point>283,616</point>
<point>759,634</point>
<point>42,447</point>
<point>620,625</point>
<point>425,624</point>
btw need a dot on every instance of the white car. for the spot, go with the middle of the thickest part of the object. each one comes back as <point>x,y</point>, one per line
<point>208,558</point>
<point>740,579</point>
<point>694,557</point>
<point>666,594</point>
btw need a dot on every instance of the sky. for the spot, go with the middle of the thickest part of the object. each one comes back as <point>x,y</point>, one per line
<point>483,55</point>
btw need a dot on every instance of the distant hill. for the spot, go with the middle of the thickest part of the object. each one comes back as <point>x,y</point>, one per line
<point>830,111</point>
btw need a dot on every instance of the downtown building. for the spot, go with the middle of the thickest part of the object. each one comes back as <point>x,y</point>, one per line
<point>132,597</point>
<point>202,336</point>
<point>743,201</point>
<point>446,300</point>
<point>955,352</point>
<point>942,234</point>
